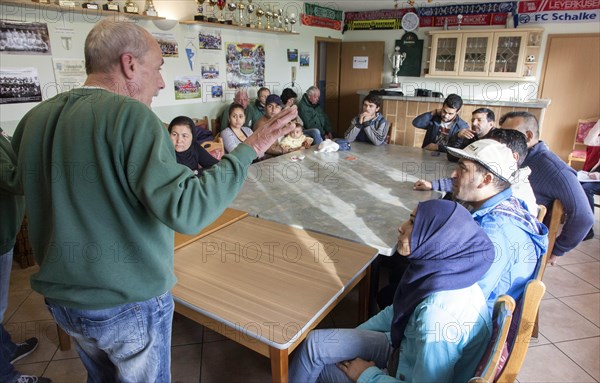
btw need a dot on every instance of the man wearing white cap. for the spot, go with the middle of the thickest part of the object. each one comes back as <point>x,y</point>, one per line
<point>482,179</point>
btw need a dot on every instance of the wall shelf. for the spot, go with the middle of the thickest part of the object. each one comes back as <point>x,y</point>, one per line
<point>77,9</point>
<point>238,27</point>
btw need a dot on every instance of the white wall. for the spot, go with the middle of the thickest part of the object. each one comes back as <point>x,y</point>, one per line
<point>494,90</point>
<point>277,71</point>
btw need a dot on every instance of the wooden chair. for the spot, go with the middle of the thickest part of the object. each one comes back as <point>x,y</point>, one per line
<point>495,355</point>
<point>202,122</point>
<point>388,137</point>
<point>521,329</point>
<point>578,154</point>
<point>215,125</point>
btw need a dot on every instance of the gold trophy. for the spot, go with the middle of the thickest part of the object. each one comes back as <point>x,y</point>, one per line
<point>241,6</point>
<point>110,6</point>
<point>130,7</point>
<point>259,15</point>
<point>268,15</point>
<point>149,9</point>
<point>200,15</point>
<point>213,18</point>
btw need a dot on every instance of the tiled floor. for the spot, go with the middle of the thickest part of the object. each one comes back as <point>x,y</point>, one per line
<point>567,350</point>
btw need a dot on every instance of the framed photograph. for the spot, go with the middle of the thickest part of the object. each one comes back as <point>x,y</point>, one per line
<point>209,40</point>
<point>292,55</point>
<point>187,87</point>
<point>24,38</point>
<point>216,91</point>
<point>304,59</point>
<point>19,85</point>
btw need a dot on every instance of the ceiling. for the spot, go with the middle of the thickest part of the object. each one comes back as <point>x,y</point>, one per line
<point>373,5</point>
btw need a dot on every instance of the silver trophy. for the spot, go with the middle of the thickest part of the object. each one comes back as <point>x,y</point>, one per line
<point>396,59</point>
<point>293,20</point>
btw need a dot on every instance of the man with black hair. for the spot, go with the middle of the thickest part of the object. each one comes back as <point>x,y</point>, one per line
<point>482,122</point>
<point>551,178</point>
<point>441,124</point>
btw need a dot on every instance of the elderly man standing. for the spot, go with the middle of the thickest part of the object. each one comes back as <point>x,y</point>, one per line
<point>241,97</point>
<point>314,116</point>
<point>482,178</point>
<point>551,178</point>
<point>104,193</point>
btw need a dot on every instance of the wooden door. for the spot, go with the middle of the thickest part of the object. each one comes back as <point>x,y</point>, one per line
<point>571,79</point>
<point>328,75</point>
<point>354,79</point>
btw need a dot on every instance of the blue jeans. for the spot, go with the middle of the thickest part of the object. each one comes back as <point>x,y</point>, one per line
<point>315,134</point>
<point>127,343</point>
<point>591,188</point>
<point>7,347</point>
<point>316,357</point>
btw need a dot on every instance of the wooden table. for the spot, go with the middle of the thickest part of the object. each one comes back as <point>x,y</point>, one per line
<point>361,195</point>
<point>228,217</point>
<point>266,285</point>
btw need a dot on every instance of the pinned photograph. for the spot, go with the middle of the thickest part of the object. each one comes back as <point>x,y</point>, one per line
<point>210,71</point>
<point>216,91</point>
<point>292,55</point>
<point>168,44</point>
<point>18,85</point>
<point>24,38</point>
<point>245,65</point>
<point>208,40</point>
<point>304,59</point>
<point>187,87</point>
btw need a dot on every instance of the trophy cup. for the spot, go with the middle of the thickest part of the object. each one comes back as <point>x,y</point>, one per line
<point>250,10</point>
<point>396,59</point>
<point>221,5</point>
<point>292,21</point>
<point>241,6</point>
<point>268,15</point>
<point>90,5</point>
<point>200,15</point>
<point>41,1</point>
<point>149,9</point>
<point>280,19</point>
<point>213,18</point>
<point>259,15</point>
<point>232,7</point>
<point>460,19</point>
<point>130,7</point>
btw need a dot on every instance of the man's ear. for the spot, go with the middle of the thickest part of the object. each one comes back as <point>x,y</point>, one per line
<point>529,135</point>
<point>128,64</point>
<point>486,180</point>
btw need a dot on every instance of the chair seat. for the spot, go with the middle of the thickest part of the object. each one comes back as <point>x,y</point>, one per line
<point>578,154</point>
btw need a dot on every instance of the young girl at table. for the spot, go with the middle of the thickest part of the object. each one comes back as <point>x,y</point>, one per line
<point>236,132</point>
<point>187,151</point>
<point>439,325</point>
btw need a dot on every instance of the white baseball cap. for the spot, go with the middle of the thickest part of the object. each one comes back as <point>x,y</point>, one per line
<point>492,155</point>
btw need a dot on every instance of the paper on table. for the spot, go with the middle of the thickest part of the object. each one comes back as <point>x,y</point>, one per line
<point>583,176</point>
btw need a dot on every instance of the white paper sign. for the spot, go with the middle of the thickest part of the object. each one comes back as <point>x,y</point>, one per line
<point>360,62</point>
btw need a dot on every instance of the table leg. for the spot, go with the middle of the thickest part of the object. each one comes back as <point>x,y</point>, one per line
<point>279,365</point>
<point>374,286</point>
<point>364,298</point>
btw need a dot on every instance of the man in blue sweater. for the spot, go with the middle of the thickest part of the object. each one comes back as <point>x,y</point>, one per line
<point>551,178</point>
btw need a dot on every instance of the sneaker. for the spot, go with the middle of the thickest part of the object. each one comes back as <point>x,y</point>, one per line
<point>32,379</point>
<point>24,349</point>
<point>589,235</point>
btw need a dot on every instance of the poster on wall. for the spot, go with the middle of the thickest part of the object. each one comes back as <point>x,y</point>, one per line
<point>210,71</point>
<point>245,65</point>
<point>187,87</point>
<point>209,40</point>
<point>292,55</point>
<point>19,85</point>
<point>24,38</point>
<point>69,73</point>
<point>168,44</point>
<point>304,59</point>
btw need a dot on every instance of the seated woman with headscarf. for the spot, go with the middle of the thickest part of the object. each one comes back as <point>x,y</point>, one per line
<point>439,325</point>
<point>187,151</point>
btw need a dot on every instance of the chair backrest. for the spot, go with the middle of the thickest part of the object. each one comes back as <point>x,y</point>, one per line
<point>521,329</point>
<point>388,137</point>
<point>556,219</point>
<point>541,213</point>
<point>202,122</point>
<point>495,355</point>
<point>215,123</point>
<point>583,128</point>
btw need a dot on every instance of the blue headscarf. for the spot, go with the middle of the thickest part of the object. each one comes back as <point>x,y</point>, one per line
<point>449,251</point>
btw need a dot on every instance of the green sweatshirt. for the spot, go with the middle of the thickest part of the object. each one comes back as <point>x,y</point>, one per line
<point>104,194</point>
<point>11,204</point>
<point>313,116</point>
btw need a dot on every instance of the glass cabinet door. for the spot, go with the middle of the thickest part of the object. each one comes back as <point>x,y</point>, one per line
<point>445,54</point>
<point>475,53</point>
<point>507,56</point>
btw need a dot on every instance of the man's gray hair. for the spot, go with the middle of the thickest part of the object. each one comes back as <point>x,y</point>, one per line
<point>108,40</point>
<point>311,90</point>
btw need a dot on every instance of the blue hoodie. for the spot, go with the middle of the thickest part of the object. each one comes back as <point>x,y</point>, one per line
<point>519,239</point>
